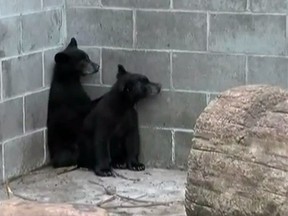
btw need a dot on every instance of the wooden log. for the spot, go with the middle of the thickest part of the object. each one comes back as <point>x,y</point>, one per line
<point>238,164</point>
<point>18,207</point>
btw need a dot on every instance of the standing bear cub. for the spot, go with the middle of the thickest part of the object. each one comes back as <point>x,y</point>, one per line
<point>110,135</point>
<point>68,104</point>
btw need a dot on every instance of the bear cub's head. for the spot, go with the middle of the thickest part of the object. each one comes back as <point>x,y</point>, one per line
<point>135,86</point>
<point>76,61</point>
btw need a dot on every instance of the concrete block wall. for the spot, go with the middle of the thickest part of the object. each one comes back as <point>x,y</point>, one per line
<point>195,48</point>
<point>29,31</point>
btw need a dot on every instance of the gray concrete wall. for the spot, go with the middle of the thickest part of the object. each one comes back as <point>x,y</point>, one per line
<point>29,30</point>
<point>195,48</point>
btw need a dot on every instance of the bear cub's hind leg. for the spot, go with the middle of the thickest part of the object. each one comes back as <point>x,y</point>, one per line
<point>102,165</point>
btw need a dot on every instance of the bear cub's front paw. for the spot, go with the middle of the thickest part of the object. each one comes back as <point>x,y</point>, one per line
<point>103,172</point>
<point>136,166</point>
<point>119,165</point>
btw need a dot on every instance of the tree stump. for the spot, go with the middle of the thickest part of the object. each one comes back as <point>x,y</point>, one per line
<point>18,207</point>
<point>238,164</point>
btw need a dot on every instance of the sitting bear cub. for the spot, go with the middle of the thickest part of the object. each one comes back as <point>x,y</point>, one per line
<point>110,135</point>
<point>68,104</point>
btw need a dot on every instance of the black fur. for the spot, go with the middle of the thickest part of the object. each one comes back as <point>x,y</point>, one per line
<point>68,104</point>
<point>110,135</point>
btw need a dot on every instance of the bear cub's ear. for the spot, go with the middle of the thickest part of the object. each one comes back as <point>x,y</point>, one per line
<point>61,57</point>
<point>73,43</point>
<point>121,71</point>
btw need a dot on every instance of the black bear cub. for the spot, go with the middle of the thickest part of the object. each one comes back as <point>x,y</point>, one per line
<point>110,131</point>
<point>68,104</point>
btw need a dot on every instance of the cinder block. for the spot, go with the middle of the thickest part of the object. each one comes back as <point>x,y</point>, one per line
<point>1,87</point>
<point>94,55</point>
<point>36,106</point>
<point>183,144</point>
<point>155,65</point>
<point>18,6</point>
<point>96,91</point>
<point>11,118</point>
<point>22,74</point>
<point>49,65</point>
<point>265,70</point>
<point>99,27</point>
<point>23,154</point>
<point>42,30</point>
<point>10,32</point>
<point>167,30</point>
<point>47,153</point>
<point>211,5</point>
<point>75,3</point>
<point>275,6</point>
<point>172,109</point>
<point>258,34</point>
<point>156,147</point>
<point>207,72</point>
<point>1,164</point>
<point>137,3</point>
<point>52,3</point>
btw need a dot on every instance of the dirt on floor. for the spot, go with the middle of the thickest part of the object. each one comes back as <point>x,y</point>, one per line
<point>154,192</point>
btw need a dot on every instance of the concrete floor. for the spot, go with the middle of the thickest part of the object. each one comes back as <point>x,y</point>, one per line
<point>164,189</point>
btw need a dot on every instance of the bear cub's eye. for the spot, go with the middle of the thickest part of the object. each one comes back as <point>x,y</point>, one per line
<point>145,80</point>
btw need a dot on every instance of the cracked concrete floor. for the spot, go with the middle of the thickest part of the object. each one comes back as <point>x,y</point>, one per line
<point>157,191</point>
